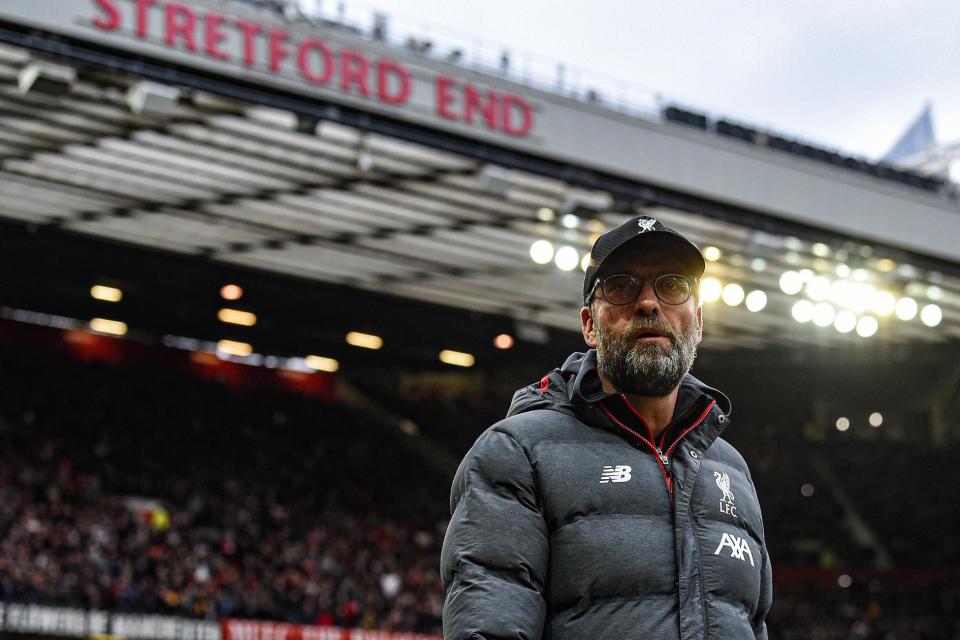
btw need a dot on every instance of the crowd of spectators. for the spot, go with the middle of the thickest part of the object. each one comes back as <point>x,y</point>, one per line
<point>144,489</point>
<point>870,608</point>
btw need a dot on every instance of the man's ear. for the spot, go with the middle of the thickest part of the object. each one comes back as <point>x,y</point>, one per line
<point>587,328</point>
<point>699,323</point>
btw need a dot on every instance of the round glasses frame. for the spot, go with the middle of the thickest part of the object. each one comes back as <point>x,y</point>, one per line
<point>637,284</point>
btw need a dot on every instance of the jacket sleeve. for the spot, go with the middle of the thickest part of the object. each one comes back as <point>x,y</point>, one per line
<point>766,598</point>
<point>495,552</point>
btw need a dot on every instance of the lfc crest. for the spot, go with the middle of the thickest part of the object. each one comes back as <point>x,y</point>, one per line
<point>727,500</point>
<point>646,224</point>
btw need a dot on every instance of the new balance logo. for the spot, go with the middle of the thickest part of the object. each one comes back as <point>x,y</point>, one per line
<point>619,473</point>
<point>738,547</point>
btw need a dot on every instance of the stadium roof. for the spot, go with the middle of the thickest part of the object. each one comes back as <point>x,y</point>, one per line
<point>239,183</point>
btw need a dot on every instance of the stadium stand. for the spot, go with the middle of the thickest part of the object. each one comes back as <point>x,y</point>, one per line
<point>145,490</point>
<point>142,488</point>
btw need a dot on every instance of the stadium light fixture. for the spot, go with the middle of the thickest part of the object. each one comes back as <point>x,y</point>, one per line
<point>883,303</point>
<point>931,315</point>
<point>503,341</point>
<point>820,250</point>
<point>733,294</point>
<point>457,358</point>
<point>710,289</point>
<point>364,340</point>
<point>153,99</point>
<point>867,326</point>
<point>823,314</point>
<point>906,308</point>
<point>885,265</point>
<point>321,363</point>
<point>845,321</point>
<point>46,79</point>
<point>570,221</point>
<point>758,264</point>
<point>756,301</point>
<point>541,251</point>
<point>111,327</point>
<point>234,348</point>
<point>712,254</point>
<point>567,258</point>
<point>586,203</point>
<point>495,179</point>
<point>235,316</point>
<point>875,419</point>
<point>843,270</point>
<point>105,294</point>
<point>842,423</point>
<point>546,214</point>
<point>934,292</point>
<point>791,282</point>
<point>231,292</point>
<point>802,311</point>
<point>858,296</point>
<point>818,288</point>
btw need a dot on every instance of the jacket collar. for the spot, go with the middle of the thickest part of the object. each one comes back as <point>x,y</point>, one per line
<point>575,388</point>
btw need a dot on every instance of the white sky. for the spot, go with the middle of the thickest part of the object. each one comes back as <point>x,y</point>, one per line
<point>845,74</point>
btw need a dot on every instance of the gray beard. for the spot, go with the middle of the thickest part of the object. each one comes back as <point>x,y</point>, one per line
<point>645,369</point>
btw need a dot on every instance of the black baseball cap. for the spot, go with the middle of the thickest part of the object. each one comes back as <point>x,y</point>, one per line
<point>639,233</point>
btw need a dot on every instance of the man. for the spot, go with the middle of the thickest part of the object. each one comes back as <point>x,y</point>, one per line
<point>605,505</point>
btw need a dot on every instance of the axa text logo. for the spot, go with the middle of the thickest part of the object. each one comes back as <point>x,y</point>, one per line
<point>739,548</point>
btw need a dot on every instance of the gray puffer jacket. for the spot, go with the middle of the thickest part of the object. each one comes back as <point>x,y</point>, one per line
<point>568,524</point>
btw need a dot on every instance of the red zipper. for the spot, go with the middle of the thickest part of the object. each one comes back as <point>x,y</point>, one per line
<point>662,458</point>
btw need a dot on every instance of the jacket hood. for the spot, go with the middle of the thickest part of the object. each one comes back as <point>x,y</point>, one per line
<point>576,385</point>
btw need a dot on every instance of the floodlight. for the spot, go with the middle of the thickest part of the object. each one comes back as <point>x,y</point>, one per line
<point>153,99</point>
<point>46,79</point>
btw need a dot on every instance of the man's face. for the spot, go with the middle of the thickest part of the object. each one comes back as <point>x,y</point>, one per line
<point>645,347</point>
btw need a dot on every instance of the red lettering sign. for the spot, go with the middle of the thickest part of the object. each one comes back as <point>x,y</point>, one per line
<point>517,116</point>
<point>112,20</point>
<point>398,94</point>
<point>180,22</point>
<point>354,68</point>
<point>505,112</point>
<point>304,51</point>
<point>289,54</point>
<point>213,35</point>
<point>445,97</point>
<point>487,107</point>
<point>277,51</point>
<point>250,30</point>
<point>143,17</point>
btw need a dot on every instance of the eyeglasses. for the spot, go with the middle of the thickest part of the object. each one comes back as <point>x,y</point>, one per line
<point>623,288</point>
